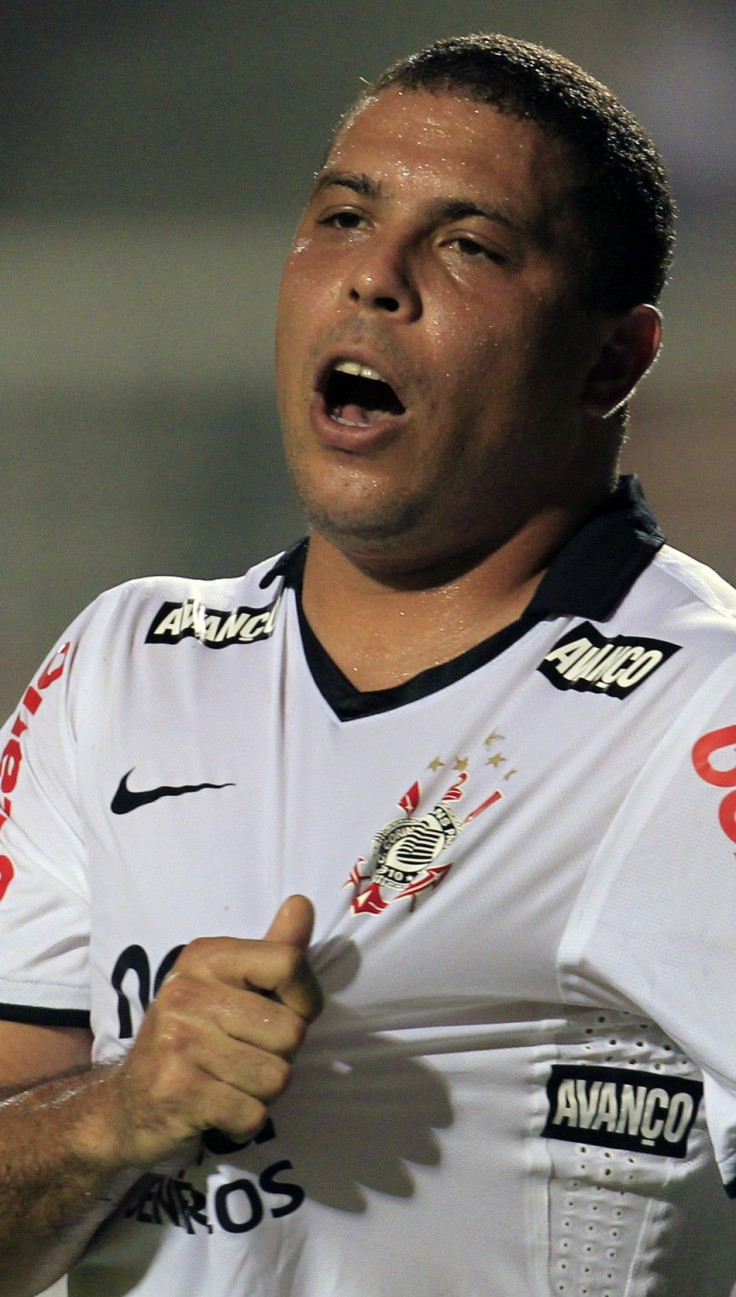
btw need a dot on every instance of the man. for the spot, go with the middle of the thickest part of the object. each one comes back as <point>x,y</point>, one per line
<point>483,719</point>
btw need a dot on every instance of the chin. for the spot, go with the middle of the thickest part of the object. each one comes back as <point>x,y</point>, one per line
<point>350,508</point>
<point>377,522</point>
<point>357,534</point>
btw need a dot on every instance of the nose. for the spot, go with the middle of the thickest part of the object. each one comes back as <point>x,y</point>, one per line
<point>381,280</point>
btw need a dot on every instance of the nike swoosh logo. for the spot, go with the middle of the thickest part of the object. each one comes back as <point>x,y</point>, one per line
<point>128,799</point>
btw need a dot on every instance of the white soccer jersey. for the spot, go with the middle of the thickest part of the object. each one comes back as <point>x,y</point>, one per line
<point>523,868</point>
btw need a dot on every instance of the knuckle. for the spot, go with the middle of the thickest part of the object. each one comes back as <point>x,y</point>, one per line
<point>246,1121</point>
<point>176,1035</point>
<point>176,996</point>
<point>172,1091</point>
<point>286,968</point>
<point>196,952</point>
<point>276,1077</point>
<point>292,961</point>
<point>171,1027</point>
<point>293,1031</point>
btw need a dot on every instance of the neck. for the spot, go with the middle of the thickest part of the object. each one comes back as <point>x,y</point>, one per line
<point>382,627</point>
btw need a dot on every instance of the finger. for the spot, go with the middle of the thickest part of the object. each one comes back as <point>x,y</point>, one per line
<point>195,1019</point>
<point>275,965</point>
<point>293,923</point>
<point>302,993</point>
<point>261,1073</point>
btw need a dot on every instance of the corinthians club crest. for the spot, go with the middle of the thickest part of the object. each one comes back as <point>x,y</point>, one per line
<point>404,853</point>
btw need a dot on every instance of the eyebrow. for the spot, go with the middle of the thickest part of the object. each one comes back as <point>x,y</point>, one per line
<point>359,182</point>
<point>440,209</point>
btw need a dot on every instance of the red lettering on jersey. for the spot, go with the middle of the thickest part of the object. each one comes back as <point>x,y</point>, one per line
<point>10,765</point>
<point>703,750</point>
<point>32,700</point>
<point>54,668</point>
<point>727,815</point>
<point>7,873</point>
<point>11,758</point>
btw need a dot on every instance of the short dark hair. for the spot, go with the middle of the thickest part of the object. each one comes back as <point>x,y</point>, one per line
<point>621,193</point>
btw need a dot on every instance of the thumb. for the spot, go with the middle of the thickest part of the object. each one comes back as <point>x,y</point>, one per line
<point>292,925</point>
<point>293,922</point>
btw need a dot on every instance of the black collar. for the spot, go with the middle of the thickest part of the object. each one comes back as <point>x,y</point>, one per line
<point>597,566</point>
<point>587,578</point>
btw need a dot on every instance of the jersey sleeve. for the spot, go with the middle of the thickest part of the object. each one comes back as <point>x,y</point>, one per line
<point>43,886</point>
<point>654,928</point>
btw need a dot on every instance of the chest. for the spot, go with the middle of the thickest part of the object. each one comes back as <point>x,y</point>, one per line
<point>443,842</point>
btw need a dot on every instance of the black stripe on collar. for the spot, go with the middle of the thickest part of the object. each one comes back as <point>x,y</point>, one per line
<point>289,565</point>
<point>588,578</point>
<point>349,703</point>
<point>597,566</point>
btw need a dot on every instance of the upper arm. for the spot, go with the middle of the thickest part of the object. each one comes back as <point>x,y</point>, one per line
<point>30,1053</point>
<point>44,902</point>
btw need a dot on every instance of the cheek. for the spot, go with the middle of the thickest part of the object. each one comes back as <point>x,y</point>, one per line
<point>473,340</point>
<point>305,310</point>
<point>308,277</point>
<point>291,296</point>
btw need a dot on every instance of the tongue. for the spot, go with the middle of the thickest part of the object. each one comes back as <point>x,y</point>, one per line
<point>356,414</point>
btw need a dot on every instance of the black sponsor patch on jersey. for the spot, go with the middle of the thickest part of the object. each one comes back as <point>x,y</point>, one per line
<point>214,627</point>
<point>585,660</point>
<point>622,1107</point>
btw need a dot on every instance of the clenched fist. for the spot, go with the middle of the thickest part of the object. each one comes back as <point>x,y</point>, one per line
<point>215,1045</point>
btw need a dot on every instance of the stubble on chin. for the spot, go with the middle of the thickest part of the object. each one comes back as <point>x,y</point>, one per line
<point>382,521</point>
<point>361,516</point>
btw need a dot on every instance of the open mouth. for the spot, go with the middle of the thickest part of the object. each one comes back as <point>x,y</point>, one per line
<point>357,396</point>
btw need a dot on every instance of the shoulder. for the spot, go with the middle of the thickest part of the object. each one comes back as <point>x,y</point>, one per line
<point>679,597</point>
<point>157,604</point>
<point>146,591</point>
<point>693,583</point>
<point>676,621</point>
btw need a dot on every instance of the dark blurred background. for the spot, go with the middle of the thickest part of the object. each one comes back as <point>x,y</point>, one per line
<point>154,154</point>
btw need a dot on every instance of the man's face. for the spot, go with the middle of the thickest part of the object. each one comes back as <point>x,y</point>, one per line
<point>432,349</point>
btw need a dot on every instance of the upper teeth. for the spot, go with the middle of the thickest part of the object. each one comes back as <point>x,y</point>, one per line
<point>357,370</point>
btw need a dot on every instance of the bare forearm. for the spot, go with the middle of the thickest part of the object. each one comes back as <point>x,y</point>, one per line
<point>54,1190</point>
<point>212,1051</point>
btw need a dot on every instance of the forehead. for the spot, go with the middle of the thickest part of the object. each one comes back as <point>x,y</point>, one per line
<point>450,144</point>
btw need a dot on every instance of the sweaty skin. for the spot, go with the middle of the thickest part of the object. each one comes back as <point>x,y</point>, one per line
<point>440,250</point>
<point>211,1052</point>
<point>439,254</point>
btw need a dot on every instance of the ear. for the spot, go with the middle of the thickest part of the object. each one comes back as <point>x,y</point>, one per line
<point>629,346</point>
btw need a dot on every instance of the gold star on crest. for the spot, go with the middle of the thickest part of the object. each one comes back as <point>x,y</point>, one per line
<point>497,760</point>
<point>510,773</point>
<point>461,764</point>
<point>492,738</point>
<point>435,765</point>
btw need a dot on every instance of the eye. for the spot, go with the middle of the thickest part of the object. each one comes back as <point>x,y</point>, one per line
<point>343,219</point>
<point>470,247</point>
